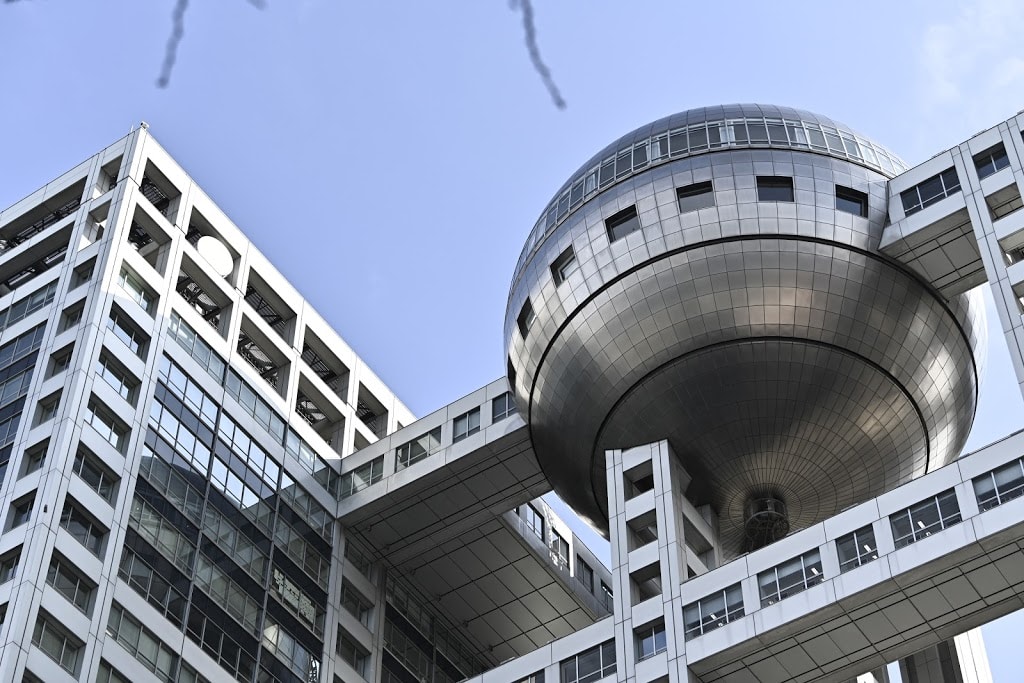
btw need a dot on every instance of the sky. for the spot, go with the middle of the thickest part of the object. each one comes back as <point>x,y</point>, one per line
<point>390,158</point>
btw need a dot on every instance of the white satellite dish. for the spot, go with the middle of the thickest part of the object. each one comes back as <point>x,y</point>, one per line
<point>216,254</point>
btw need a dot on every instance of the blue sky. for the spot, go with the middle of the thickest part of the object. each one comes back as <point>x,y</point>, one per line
<point>391,157</point>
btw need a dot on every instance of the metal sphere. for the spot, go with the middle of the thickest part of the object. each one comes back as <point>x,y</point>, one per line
<point>765,336</point>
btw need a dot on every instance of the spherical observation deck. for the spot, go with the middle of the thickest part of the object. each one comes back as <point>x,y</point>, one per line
<point>714,279</point>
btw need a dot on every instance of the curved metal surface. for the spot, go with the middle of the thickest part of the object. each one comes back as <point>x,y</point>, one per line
<point>770,342</point>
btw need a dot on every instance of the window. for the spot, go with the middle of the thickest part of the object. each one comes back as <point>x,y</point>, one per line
<point>534,520</point>
<point>142,644</point>
<point>21,511</point>
<point>99,478</point>
<point>355,604</point>
<point>60,360</point>
<point>84,530</point>
<point>925,518</point>
<point>122,328</point>
<point>563,265</point>
<point>559,549</point>
<point>114,374</point>
<point>352,652</point>
<point>991,160</point>
<point>856,549</point>
<point>465,425</point>
<point>418,449</point>
<point>136,291</point>
<point>650,640</point>
<point>9,565</point>
<point>108,674</point>
<point>622,223</point>
<point>47,408</point>
<point>696,196</point>
<point>790,578</point>
<point>1000,485</point>
<point>82,273</point>
<point>585,574</point>
<point>526,318</point>
<point>71,316</point>
<point>589,665</point>
<point>932,190</point>
<point>361,477</point>
<point>69,583</point>
<point>607,596</point>
<point>851,201</point>
<point>103,421</point>
<point>713,611</point>
<point>774,189</point>
<point>502,406</point>
<point>35,456</point>
<point>157,590</point>
<point>62,647</point>
<point>537,677</point>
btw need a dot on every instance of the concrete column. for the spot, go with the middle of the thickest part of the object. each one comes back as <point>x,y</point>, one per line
<point>960,660</point>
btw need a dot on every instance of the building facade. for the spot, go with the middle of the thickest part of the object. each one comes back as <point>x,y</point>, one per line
<point>742,341</point>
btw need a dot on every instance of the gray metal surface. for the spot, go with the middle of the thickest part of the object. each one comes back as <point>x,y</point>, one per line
<point>771,342</point>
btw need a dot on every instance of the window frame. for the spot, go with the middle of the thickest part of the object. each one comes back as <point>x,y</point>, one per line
<point>852,197</point>
<point>695,196</point>
<point>707,608</point>
<point>865,548</point>
<point>623,223</point>
<point>775,188</point>
<point>811,573</point>
<point>466,425</point>
<point>918,513</point>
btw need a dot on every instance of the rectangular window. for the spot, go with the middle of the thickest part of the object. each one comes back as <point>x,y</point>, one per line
<point>62,647</point>
<point>465,425</point>
<point>60,360</point>
<point>352,652</point>
<point>713,611</point>
<point>526,318</point>
<point>559,549</point>
<point>108,674</point>
<point>1000,485</point>
<point>34,457</point>
<point>142,644</point>
<point>534,520</point>
<point>696,196</point>
<point>622,223</point>
<point>9,565</point>
<point>47,408</point>
<point>136,291</point>
<point>418,449</point>
<point>585,574</point>
<point>856,549</point>
<point>927,517</point>
<point>650,640</point>
<point>99,478</point>
<point>21,511</point>
<point>103,421</point>
<point>85,530</point>
<point>991,160</point>
<point>774,189</point>
<point>563,265</point>
<point>589,665</point>
<point>122,328</point>
<point>790,578</point>
<point>502,406</point>
<point>355,604</point>
<point>114,374</point>
<point>932,190</point>
<point>607,596</point>
<point>361,477</point>
<point>69,583</point>
<point>851,201</point>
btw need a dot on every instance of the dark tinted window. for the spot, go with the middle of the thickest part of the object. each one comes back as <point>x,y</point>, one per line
<point>774,189</point>
<point>622,223</point>
<point>851,201</point>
